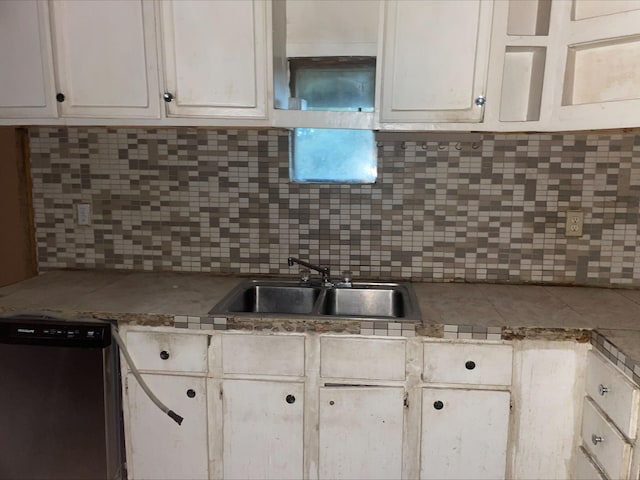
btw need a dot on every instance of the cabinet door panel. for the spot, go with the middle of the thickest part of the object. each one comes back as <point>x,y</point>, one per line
<point>467,363</point>
<point>215,57</point>
<point>586,469</point>
<point>617,397</point>
<point>361,432</point>
<point>105,58</point>
<point>365,358</point>
<point>612,451</point>
<point>435,60</point>
<point>596,72</point>
<point>159,448</point>
<point>262,429</point>
<point>464,434</point>
<point>26,74</point>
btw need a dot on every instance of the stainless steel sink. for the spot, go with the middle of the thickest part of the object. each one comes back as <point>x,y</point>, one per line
<point>260,298</point>
<point>368,302</point>
<point>362,301</point>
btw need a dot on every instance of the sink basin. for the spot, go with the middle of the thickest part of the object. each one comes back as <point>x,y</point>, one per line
<point>275,299</point>
<point>368,302</point>
<point>361,301</point>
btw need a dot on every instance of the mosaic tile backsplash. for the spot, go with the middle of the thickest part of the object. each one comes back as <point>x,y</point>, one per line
<point>202,200</point>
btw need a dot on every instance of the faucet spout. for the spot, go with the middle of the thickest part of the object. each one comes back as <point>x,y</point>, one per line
<point>325,271</point>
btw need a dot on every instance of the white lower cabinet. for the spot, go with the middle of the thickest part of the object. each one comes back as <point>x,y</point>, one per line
<point>586,469</point>
<point>289,406</point>
<point>159,448</point>
<point>464,434</point>
<point>361,432</point>
<point>262,429</point>
<point>609,420</point>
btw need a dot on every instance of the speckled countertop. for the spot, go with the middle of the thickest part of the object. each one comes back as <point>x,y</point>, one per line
<point>158,298</point>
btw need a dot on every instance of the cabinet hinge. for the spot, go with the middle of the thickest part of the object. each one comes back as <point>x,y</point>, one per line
<point>406,400</point>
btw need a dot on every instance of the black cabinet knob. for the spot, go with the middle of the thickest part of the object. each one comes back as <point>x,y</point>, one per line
<point>167,97</point>
<point>290,399</point>
<point>438,405</point>
<point>191,393</point>
<point>60,97</point>
<point>164,355</point>
<point>470,365</point>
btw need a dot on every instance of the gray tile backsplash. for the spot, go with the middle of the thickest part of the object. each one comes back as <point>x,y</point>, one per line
<point>187,199</point>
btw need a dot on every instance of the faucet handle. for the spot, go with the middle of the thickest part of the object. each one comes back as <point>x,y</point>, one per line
<point>305,275</point>
<point>346,276</point>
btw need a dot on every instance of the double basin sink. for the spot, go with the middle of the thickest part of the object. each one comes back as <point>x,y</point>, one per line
<point>362,301</point>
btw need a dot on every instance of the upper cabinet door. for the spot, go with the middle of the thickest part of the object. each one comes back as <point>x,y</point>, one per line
<point>434,60</point>
<point>596,63</point>
<point>215,56</point>
<point>26,76</point>
<point>105,56</point>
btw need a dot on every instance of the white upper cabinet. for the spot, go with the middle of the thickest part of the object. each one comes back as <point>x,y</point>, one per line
<point>598,65</point>
<point>26,76</point>
<point>215,56</point>
<point>434,59</point>
<point>105,58</point>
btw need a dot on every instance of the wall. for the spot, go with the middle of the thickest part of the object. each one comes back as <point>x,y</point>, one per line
<point>221,201</point>
<point>17,251</point>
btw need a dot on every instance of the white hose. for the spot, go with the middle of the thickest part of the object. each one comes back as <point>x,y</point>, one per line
<point>116,336</point>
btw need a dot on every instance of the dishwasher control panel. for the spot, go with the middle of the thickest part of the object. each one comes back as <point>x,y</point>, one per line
<point>43,331</point>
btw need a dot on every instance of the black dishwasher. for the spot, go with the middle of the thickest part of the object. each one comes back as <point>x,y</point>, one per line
<point>60,400</point>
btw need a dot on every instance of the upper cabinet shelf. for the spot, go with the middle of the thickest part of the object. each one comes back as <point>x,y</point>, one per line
<point>482,65</point>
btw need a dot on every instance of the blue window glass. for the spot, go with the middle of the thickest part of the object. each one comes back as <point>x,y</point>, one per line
<point>333,156</point>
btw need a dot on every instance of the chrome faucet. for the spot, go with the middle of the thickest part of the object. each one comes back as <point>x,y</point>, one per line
<point>325,271</point>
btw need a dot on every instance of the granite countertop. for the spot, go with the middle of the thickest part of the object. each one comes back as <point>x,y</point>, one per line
<point>156,298</point>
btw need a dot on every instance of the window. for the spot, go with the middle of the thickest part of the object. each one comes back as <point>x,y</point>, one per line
<point>333,155</point>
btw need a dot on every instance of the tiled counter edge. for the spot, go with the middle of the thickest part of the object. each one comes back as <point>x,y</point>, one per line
<point>630,367</point>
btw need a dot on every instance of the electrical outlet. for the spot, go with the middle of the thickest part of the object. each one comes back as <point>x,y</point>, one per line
<point>83,214</point>
<point>575,220</point>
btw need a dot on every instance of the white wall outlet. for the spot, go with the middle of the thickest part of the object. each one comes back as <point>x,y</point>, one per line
<point>575,220</point>
<point>83,214</point>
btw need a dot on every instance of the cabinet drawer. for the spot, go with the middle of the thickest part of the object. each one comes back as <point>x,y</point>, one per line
<point>586,469</point>
<point>601,439</point>
<point>263,354</point>
<point>366,358</point>
<point>467,363</point>
<point>617,396</point>
<point>171,352</point>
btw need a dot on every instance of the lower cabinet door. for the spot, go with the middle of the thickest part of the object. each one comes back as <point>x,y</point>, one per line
<point>158,448</point>
<point>262,429</point>
<point>604,442</point>
<point>464,434</point>
<point>586,469</point>
<point>361,432</point>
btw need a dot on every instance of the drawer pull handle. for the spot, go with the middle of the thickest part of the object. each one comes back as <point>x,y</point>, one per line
<point>602,390</point>
<point>290,399</point>
<point>191,393</point>
<point>596,439</point>
<point>470,365</point>
<point>164,355</point>
<point>438,405</point>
